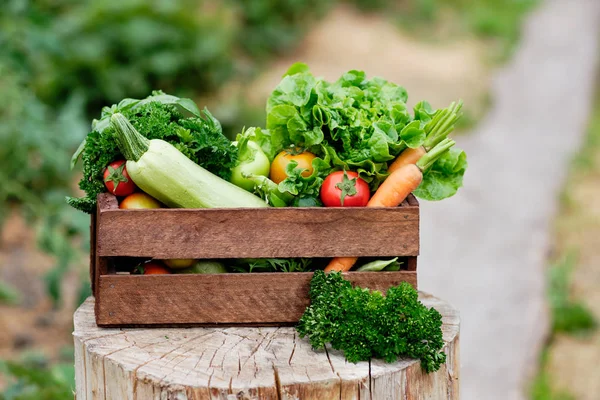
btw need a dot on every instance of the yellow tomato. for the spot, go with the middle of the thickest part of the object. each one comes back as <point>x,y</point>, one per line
<point>304,160</point>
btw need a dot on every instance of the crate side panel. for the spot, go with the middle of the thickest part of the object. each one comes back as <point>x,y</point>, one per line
<point>93,252</point>
<point>255,233</point>
<point>267,298</point>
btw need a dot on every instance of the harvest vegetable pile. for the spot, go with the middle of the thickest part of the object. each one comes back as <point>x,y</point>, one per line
<point>349,143</point>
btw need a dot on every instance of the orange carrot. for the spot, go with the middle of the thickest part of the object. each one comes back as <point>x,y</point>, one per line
<point>437,131</point>
<point>408,156</point>
<point>391,193</point>
<point>397,187</point>
<point>341,264</point>
<point>394,189</point>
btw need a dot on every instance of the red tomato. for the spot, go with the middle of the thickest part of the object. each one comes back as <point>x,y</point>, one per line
<point>345,189</point>
<point>117,180</point>
<point>303,158</point>
<point>139,200</point>
<point>154,268</point>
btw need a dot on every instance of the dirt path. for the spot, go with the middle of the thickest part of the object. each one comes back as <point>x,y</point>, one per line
<point>573,361</point>
<point>33,325</point>
<point>485,249</point>
<point>346,39</point>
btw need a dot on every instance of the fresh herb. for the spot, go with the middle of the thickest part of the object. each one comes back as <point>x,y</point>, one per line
<point>196,134</point>
<point>366,324</point>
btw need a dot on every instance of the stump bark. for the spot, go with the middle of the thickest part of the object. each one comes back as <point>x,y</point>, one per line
<point>246,363</point>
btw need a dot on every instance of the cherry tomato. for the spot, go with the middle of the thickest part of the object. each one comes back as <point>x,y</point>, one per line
<point>117,180</point>
<point>154,268</point>
<point>280,162</point>
<point>139,200</point>
<point>344,189</point>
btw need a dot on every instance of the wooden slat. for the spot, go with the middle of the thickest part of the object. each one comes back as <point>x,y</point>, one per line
<point>412,200</point>
<point>259,298</point>
<point>259,232</point>
<point>93,227</point>
<point>107,202</point>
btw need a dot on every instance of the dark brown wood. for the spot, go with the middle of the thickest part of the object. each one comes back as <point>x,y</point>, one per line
<point>93,241</point>
<point>259,232</point>
<point>412,200</point>
<point>258,298</point>
<point>411,263</point>
<point>107,202</point>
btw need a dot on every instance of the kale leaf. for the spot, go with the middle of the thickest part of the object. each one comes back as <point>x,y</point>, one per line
<point>199,137</point>
<point>366,324</point>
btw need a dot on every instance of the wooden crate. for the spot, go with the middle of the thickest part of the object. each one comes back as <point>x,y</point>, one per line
<point>237,298</point>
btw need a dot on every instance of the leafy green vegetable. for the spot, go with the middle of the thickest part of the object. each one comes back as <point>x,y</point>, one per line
<point>379,265</point>
<point>273,265</point>
<point>357,124</point>
<point>365,324</point>
<point>184,105</point>
<point>444,177</point>
<point>199,137</point>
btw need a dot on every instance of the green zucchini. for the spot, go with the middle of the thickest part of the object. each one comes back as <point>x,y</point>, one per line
<point>166,174</point>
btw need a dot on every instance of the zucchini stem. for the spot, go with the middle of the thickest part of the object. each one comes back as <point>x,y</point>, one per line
<point>131,143</point>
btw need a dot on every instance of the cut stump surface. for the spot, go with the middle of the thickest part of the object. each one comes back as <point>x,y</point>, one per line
<point>246,363</point>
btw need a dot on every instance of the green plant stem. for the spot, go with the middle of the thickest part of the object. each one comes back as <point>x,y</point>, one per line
<point>434,154</point>
<point>443,125</point>
<point>131,143</point>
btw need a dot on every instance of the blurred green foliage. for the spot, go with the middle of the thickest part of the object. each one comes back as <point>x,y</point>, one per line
<point>498,21</point>
<point>32,377</point>
<point>8,294</point>
<point>107,50</point>
<point>543,385</point>
<point>568,314</point>
<point>269,27</point>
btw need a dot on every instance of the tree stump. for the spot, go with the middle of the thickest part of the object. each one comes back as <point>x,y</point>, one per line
<point>246,363</point>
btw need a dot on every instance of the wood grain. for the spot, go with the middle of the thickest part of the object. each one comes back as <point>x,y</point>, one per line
<point>237,298</point>
<point>257,233</point>
<point>93,226</point>
<point>247,363</point>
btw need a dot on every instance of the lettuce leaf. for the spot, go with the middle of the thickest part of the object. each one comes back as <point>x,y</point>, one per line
<point>355,123</point>
<point>444,177</point>
<point>360,124</point>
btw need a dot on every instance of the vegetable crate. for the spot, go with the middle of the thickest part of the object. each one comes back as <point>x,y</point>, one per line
<point>251,299</point>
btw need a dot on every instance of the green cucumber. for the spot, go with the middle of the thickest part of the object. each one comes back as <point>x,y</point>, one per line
<point>166,174</point>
